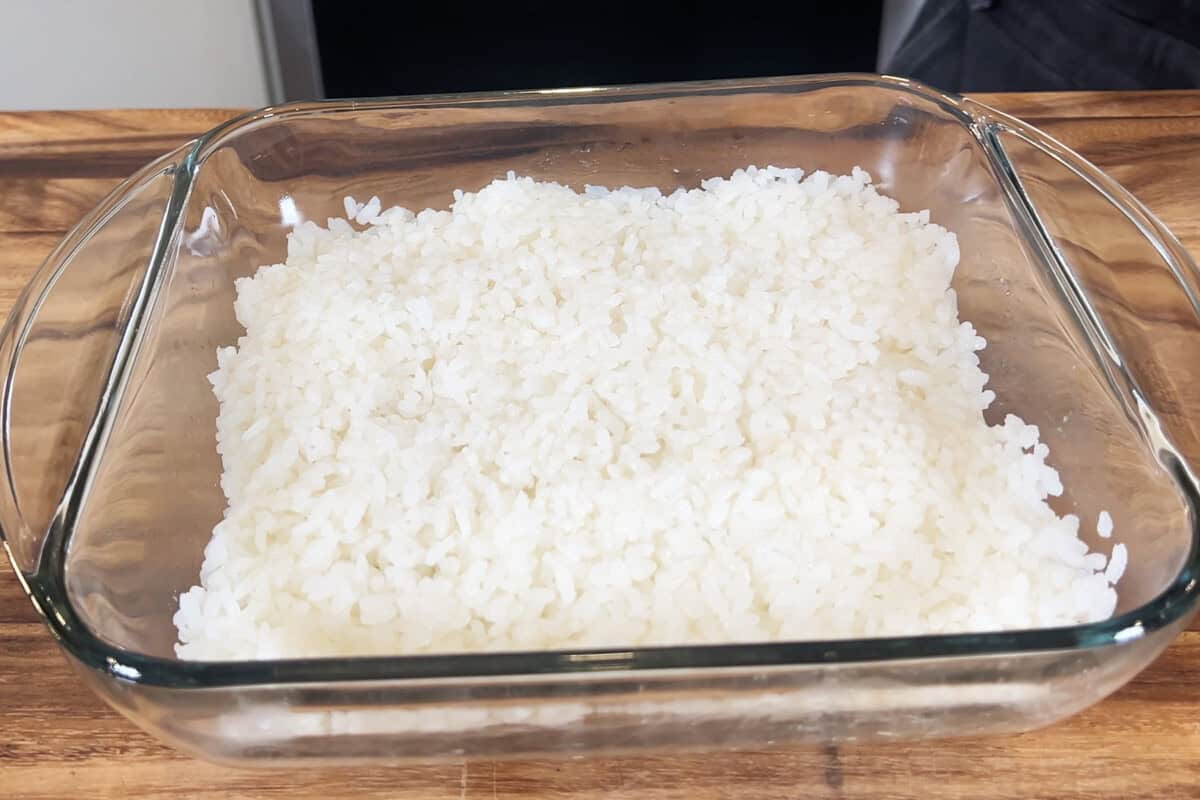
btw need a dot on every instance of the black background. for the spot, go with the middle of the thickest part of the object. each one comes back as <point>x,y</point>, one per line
<point>371,49</point>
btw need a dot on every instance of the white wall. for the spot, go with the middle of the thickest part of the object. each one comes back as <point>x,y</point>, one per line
<point>78,54</point>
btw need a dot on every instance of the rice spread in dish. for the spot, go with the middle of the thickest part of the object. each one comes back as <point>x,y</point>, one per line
<point>551,419</point>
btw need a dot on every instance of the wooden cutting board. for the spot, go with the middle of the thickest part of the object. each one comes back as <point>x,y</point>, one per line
<point>57,740</point>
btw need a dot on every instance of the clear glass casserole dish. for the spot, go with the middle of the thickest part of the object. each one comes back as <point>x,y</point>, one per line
<point>110,470</point>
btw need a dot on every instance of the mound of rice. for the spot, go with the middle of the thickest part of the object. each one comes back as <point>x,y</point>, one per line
<point>546,419</point>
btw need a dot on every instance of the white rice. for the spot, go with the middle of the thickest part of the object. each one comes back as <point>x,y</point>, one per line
<point>545,419</point>
<point>1117,564</point>
<point>1104,525</point>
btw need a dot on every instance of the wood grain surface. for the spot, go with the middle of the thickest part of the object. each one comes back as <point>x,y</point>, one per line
<point>57,740</point>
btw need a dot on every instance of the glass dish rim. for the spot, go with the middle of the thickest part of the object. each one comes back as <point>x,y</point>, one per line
<point>46,586</point>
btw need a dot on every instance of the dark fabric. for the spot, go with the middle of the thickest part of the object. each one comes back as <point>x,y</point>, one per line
<point>1043,45</point>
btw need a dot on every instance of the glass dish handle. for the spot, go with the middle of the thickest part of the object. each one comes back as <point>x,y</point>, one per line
<point>59,346</point>
<point>1129,279</point>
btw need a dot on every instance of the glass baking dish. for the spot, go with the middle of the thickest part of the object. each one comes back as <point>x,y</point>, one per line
<point>110,470</point>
